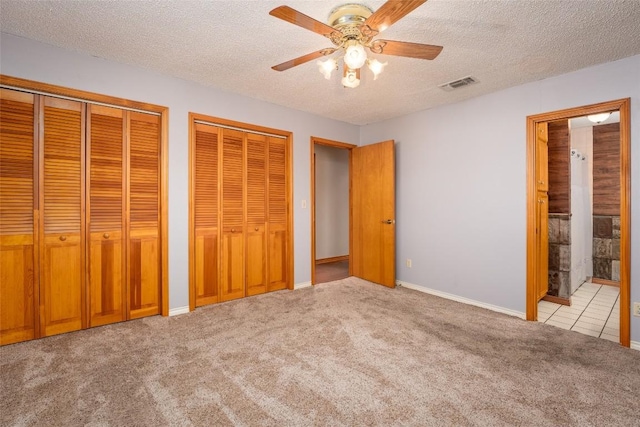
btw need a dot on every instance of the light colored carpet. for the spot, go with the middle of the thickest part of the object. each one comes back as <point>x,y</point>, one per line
<point>341,353</point>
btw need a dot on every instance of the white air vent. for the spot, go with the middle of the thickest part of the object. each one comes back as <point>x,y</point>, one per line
<point>466,81</point>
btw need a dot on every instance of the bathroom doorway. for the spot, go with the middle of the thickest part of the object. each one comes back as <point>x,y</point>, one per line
<point>574,209</point>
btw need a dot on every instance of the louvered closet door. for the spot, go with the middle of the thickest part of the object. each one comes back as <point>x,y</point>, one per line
<point>105,210</point>
<point>206,214</point>
<point>62,198</point>
<point>17,182</point>
<point>255,267</point>
<point>278,230</point>
<point>144,270</point>
<point>232,251</point>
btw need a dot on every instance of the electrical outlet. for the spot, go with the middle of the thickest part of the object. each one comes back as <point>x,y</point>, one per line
<point>408,263</point>
<point>636,309</point>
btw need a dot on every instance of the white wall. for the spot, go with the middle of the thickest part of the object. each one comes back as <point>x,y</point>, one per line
<point>332,201</point>
<point>36,61</point>
<point>461,183</point>
<point>582,140</point>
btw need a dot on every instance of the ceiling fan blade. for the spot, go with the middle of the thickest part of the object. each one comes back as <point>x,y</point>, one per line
<point>411,50</point>
<point>390,12</point>
<point>300,19</point>
<point>302,59</point>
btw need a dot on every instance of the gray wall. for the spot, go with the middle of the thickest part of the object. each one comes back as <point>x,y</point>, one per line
<point>461,183</point>
<point>332,201</point>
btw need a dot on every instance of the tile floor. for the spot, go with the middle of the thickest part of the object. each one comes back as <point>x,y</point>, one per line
<point>594,310</point>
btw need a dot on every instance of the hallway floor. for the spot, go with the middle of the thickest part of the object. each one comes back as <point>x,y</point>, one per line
<point>328,272</point>
<point>594,310</point>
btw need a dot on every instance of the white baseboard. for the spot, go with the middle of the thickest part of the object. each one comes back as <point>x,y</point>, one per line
<point>635,345</point>
<point>301,285</point>
<point>179,310</point>
<point>462,299</point>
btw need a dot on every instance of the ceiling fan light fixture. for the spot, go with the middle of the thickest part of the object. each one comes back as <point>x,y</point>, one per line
<point>598,118</point>
<point>351,78</point>
<point>376,67</point>
<point>327,67</point>
<point>355,56</point>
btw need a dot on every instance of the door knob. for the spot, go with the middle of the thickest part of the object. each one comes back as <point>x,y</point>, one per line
<point>106,235</point>
<point>256,228</point>
<point>63,238</point>
<point>233,230</point>
<point>388,221</point>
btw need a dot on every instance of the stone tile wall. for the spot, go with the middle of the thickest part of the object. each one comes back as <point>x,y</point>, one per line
<point>606,247</point>
<point>560,255</point>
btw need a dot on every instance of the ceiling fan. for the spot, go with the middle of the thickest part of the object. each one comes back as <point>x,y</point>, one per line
<point>352,28</point>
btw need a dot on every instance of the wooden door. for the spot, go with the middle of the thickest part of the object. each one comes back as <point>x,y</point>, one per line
<point>62,294</point>
<point>206,251</point>
<point>543,244</point>
<point>256,242</point>
<point>144,269</point>
<point>278,250</point>
<point>542,157</point>
<point>542,210</point>
<point>105,213</point>
<point>18,202</point>
<point>373,212</point>
<point>232,284</point>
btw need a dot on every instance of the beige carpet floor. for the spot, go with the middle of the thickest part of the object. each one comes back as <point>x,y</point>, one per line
<point>341,353</point>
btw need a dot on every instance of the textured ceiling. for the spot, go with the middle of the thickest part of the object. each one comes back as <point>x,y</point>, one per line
<point>231,45</point>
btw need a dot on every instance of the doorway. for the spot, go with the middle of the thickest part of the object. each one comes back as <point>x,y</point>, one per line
<point>537,220</point>
<point>371,226</point>
<point>330,210</point>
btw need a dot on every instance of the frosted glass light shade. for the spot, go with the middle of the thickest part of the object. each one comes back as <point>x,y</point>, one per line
<point>327,67</point>
<point>355,55</point>
<point>376,67</point>
<point>350,79</point>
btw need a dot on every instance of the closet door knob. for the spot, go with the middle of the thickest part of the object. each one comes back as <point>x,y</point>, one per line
<point>63,238</point>
<point>233,230</point>
<point>105,235</point>
<point>256,228</point>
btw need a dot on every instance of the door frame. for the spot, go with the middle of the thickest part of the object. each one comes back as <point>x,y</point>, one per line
<point>624,107</point>
<point>312,203</point>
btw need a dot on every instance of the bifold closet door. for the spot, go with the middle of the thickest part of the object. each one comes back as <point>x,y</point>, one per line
<point>256,242</point>
<point>144,269</point>
<point>105,213</point>
<point>62,151</point>
<point>18,238</point>
<point>278,231</point>
<point>206,214</point>
<point>232,197</point>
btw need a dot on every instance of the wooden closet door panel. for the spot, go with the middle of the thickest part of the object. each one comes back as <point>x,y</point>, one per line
<point>256,195</point>
<point>62,201</point>
<point>106,131</point>
<point>206,266</point>
<point>232,248</point>
<point>144,272</point>
<point>18,284</point>
<point>278,230</point>
<point>206,214</point>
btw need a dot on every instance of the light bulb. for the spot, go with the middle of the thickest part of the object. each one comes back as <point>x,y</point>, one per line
<point>355,55</point>
<point>350,79</point>
<point>376,67</point>
<point>326,67</point>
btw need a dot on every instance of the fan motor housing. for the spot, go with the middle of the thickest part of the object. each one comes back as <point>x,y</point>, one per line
<point>350,15</point>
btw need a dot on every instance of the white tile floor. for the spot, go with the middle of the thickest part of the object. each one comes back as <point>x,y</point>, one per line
<point>594,310</point>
